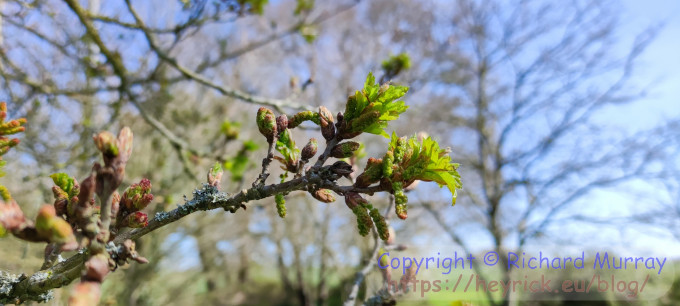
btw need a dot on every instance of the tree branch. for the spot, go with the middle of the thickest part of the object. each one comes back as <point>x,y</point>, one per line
<point>35,287</point>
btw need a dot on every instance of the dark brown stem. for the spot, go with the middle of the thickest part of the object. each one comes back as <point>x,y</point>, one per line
<point>260,181</point>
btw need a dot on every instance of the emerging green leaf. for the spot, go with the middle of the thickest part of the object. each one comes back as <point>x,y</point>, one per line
<point>286,146</point>
<point>425,161</point>
<point>64,182</point>
<point>369,110</point>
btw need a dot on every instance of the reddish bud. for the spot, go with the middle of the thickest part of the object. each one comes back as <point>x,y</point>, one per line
<point>323,195</point>
<point>137,219</point>
<point>310,149</point>
<point>137,196</point>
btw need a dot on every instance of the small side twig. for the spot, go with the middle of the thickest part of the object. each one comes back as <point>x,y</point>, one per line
<point>351,299</point>
<point>260,181</point>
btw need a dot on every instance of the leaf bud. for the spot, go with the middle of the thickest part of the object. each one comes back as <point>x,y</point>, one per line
<point>266,123</point>
<point>327,123</point>
<point>372,173</point>
<point>281,122</point>
<point>136,219</point>
<point>323,195</point>
<point>215,175</point>
<point>137,196</point>
<point>310,149</point>
<point>345,149</point>
<point>106,143</point>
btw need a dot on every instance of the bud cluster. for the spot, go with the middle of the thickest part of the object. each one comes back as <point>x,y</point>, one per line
<point>8,128</point>
<point>277,131</point>
<point>134,199</point>
<point>370,109</point>
<point>408,160</point>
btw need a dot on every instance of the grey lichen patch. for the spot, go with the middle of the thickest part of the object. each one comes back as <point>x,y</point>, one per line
<point>44,297</point>
<point>160,216</point>
<point>7,282</point>
<point>8,285</point>
<point>39,277</point>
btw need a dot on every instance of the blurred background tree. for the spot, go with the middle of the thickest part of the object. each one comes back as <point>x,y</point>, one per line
<point>530,95</point>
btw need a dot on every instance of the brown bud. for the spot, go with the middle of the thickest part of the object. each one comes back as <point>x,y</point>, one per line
<point>310,149</point>
<point>345,149</point>
<point>341,168</point>
<point>323,195</point>
<point>327,123</point>
<point>61,207</point>
<point>281,122</point>
<point>353,199</point>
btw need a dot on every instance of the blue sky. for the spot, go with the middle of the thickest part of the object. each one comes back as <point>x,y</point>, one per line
<point>661,61</point>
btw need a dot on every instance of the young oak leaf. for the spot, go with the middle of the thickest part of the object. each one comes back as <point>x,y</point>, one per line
<point>426,161</point>
<point>369,110</point>
<point>410,159</point>
<point>286,146</point>
<point>66,183</point>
